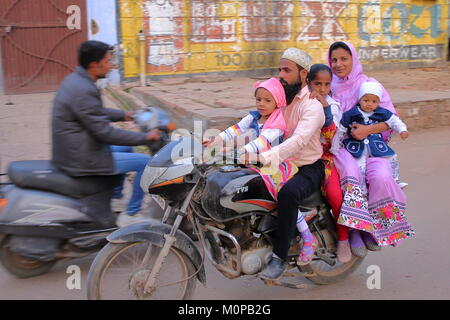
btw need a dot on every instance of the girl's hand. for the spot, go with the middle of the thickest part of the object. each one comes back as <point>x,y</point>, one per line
<point>404,135</point>
<point>212,142</point>
<point>318,96</point>
<point>249,158</point>
<point>207,142</point>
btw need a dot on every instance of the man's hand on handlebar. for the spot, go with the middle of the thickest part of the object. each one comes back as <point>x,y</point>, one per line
<point>154,135</point>
<point>129,116</point>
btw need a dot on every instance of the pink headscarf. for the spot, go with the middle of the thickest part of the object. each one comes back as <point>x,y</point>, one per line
<point>346,91</point>
<point>276,119</point>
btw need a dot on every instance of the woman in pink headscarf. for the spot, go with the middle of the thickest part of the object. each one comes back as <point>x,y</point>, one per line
<point>375,213</point>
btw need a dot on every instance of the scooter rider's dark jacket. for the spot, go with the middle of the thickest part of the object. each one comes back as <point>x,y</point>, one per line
<point>82,130</point>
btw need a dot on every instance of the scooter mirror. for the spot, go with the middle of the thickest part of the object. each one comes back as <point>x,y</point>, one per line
<point>146,119</point>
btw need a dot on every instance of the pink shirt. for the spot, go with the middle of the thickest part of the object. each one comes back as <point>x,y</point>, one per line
<point>304,120</point>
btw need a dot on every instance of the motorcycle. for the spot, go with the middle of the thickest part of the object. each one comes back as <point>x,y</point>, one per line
<point>46,215</point>
<point>234,218</point>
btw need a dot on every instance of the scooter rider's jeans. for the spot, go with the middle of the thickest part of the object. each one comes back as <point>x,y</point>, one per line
<point>126,161</point>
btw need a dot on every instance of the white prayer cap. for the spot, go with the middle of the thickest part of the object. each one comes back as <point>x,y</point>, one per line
<point>370,88</point>
<point>298,56</point>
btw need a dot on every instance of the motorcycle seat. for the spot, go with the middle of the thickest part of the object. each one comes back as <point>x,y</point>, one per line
<point>42,175</point>
<point>312,201</point>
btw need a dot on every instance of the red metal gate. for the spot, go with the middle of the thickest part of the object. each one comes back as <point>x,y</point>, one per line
<point>38,47</point>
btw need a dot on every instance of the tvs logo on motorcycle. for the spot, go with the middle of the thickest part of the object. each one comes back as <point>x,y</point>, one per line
<point>241,189</point>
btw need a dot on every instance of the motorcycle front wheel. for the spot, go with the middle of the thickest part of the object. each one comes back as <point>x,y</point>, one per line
<point>120,271</point>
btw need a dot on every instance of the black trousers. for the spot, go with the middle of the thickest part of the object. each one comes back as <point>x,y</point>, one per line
<point>302,185</point>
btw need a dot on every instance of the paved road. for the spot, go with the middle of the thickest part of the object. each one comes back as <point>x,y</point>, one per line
<point>417,269</point>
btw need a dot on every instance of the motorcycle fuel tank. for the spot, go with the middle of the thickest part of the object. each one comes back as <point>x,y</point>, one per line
<point>235,193</point>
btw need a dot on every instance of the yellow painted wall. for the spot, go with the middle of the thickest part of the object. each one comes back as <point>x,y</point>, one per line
<point>194,36</point>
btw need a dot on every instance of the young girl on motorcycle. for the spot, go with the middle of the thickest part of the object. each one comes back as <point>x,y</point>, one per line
<point>319,82</point>
<point>267,126</point>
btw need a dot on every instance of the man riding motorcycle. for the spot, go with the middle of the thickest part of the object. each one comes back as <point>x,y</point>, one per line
<point>305,119</point>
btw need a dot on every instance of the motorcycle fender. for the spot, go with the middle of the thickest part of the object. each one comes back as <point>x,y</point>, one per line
<point>154,232</point>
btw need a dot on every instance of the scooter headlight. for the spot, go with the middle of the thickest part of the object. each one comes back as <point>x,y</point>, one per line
<point>3,203</point>
<point>150,175</point>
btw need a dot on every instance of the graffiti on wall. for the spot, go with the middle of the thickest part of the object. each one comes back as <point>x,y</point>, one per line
<point>323,22</point>
<point>208,25</point>
<point>267,20</point>
<point>407,22</point>
<point>188,36</point>
<point>164,25</point>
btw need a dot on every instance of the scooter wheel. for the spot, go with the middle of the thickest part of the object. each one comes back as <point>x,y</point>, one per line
<point>20,266</point>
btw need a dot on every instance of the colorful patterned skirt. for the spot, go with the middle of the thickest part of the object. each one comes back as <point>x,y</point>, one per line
<point>326,137</point>
<point>380,211</point>
<point>276,178</point>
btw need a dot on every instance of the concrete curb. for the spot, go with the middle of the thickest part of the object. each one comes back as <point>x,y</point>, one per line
<point>185,111</point>
<point>124,99</point>
<point>425,114</point>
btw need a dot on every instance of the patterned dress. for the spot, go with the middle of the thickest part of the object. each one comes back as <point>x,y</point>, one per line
<point>326,137</point>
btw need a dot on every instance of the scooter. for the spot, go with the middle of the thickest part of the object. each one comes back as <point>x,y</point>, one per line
<point>46,215</point>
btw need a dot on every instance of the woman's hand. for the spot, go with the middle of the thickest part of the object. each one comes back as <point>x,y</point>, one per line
<point>360,131</point>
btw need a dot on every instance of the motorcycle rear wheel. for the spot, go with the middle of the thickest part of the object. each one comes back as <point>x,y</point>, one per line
<point>107,282</point>
<point>19,266</point>
<point>321,272</point>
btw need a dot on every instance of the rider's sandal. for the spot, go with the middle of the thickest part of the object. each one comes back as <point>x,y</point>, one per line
<point>307,252</point>
<point>357,244</point>
<point>370,242</point>
<point>343,252</point>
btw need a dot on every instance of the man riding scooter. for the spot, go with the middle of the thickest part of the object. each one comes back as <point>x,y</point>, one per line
<point>82,132</point>
<point>61,209</point>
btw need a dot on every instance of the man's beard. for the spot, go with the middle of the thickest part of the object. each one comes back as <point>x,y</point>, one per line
<point>291,90</point>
